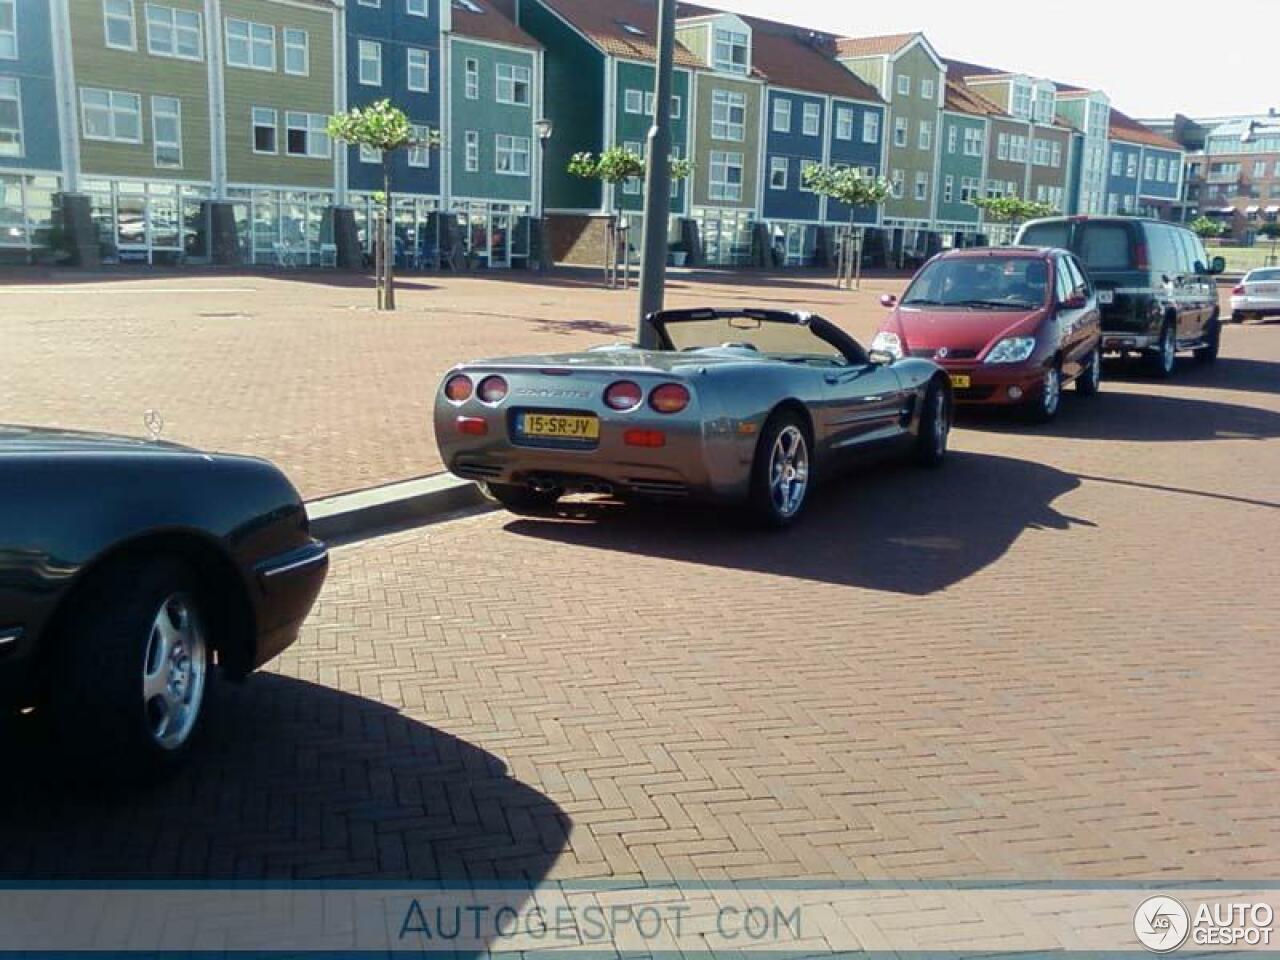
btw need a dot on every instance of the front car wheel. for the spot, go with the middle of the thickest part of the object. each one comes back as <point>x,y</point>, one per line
<point>935,428</point>
<point>1044,405</point>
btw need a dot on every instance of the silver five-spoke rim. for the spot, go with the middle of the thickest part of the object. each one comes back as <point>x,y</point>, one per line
<point>1052,391</point>
<point>941,424</point>
<point>173,672</point>
<point>789,471</point>
<point>1167,350</point>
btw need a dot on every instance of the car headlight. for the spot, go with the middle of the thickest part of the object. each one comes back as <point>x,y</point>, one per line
<point>1012,350</point>
<point>886,342</point>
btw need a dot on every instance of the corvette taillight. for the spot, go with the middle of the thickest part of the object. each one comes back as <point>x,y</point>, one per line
<point>492,389</point>
<point>669,398</point>
<point>458,388</point>
<point>623,395</point>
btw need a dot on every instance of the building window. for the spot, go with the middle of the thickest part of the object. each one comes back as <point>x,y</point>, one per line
<point>731,51</point>
<point>970,189</point>
<point>899,131</point>
<point>369,154</point>
<point>471,151</point>
<point>264,130</point>
<point>781,115</point>
<point>297,52</point>
<point>305,135</point>
<point>1020,100</point>
<point>471,72</point>
<point>1131,166</point>
<point>1117,163</point>
<point>677,108</point>
<point>251,45</point>
<point>419,74</point>
<point>1162,169</point>
<point>904,85</point>
<point>633,186</point>
<point>174,33</point>
<point>370,63</point>
<point>948,188</point>
<point>1002,146</point>
<point>728,116</point>
<point>10,117</point>
<point>1018,148</point>
<point>370,3</point>
<point>812,120</point>
<point>926,89</point>
<point>726,176</point>
<point>118,25</point>
<point>895,184</point>
<point>922,185</point>
<point>633,102</point>
<point>166,131</point>
<point>1039,152</point>
<point>513,84</point>
<point>973,139</point>
<point>511,155</point>
<point>1149,168</point>
<point>953,138</point>
<point>871,127</point>
<point>925,136</point>
<point>417,8</point>
<point>778,168</point>
<point>8,30</point>
<point>844,123</point>
<point>110,115</point>
<point>420,152</point>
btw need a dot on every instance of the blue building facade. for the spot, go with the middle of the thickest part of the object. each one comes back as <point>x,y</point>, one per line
<point>1161,175</point>
<point>863,148</point>
<point>795,139</point>
<point>1124,170</point>
<point>30,153</point>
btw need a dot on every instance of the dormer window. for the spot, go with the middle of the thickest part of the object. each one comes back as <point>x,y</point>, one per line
<point>1043,110</point>
<point>732,51</point>
<point>1020,99</point>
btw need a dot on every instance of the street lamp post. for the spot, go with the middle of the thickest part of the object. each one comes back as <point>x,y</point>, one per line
<point>657,187</point>
<point>544,129</point>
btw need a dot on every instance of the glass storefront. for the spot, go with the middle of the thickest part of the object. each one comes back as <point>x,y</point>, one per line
<point>150,221</point>
<point>417,228</point>
<point>282,227</point>
<point>493,235</point>
<point>726,236</point>
<point>26,212</point>
<point>794,244</point>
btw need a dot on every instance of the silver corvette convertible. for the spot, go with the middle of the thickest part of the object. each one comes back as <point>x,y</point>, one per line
<point>740,406</point>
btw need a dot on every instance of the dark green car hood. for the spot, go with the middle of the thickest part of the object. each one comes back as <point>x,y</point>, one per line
<point>26,441</point>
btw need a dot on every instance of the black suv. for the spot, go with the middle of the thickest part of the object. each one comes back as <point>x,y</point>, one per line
<point>1155,283</point>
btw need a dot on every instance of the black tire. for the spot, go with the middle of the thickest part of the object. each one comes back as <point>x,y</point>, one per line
<point>1162,361</point>
<point>768,505</point>
<point>1046,401</point>
<point>935,427</point>
<point>1090,379</point>
<point>1213,343</point>
<point>523,500</point>
<point>100,714</point>
<point>1238,317</point>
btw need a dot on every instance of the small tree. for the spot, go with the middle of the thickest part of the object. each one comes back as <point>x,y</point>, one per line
<point>385,128</point>
<point>1206,228</point>
<point>1012,211</point>
<point>853,188</point>
<point>616,166</point>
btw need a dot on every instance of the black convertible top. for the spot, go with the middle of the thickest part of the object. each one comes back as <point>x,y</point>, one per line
<point>823,329</point>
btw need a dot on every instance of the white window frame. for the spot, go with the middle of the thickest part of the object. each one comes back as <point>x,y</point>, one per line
<point>731,39</point>
<point>1117,163</point>
<point>1131,165</point>
<point>172,14</point>
<point>252,42</point>
<point>904,85</point>
<point>1021,95</point>
<point>108,16</point>
<point>255,124</point>
<point>515,75</point>
<point>722,189</point>
<point>13,136</point>
<point>897,184</point>
<point>924,136</point>
<point>369,3</point>
<point>633,186</point>
<point>871,126</point>
<point>811,120</point>
<point>511,146</point>
<point>948,188</point>
<point>901,131</point>
<point>424,67</point>
<point>922,186</point>
<point>368,52</point>
<point>290,41</point>
<point>156,143</point>
<point>974,141</point>
<point>726,102</point>
<point>1002,146</point>
<point>112,110</point>
<point>1055,154</point>
<point>926,88</point>
<point>420,156</point>
<point>633,102</point>
<point>649,100</point>
<point>844,123</point>
<point>471,151</point>
<point>423,8</point>
<point>9,38</point>
<point>781,115</point>
<point>677,106</point>
<point>953,139</point>
<point>471,78</point>
<point>779,165</point>
<point>1149,168</point>
<point>311,124</point>
<point>370,154</point>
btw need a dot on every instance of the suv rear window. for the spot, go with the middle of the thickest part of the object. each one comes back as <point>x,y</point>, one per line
<point>1105,246</point>
<point>1045,235</point>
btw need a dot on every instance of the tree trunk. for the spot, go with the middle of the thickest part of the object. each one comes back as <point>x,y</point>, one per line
<point>389,241</point>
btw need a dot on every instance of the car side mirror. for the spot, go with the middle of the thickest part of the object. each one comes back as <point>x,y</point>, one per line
<point>1076,302</point>
<point>888,300</point>
<point>1219,265</point>
<point>881,358</point>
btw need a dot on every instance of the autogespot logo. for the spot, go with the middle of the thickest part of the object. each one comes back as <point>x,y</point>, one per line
<point>1162,924</point>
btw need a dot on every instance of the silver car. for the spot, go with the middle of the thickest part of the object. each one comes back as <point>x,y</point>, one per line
<point>1258,295</point>
<point>737,406</point>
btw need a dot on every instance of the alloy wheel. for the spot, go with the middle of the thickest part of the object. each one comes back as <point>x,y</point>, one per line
<point>789,471</point>
<point>1051,392</point>
<point>941,425</point>
<point>174,672</point>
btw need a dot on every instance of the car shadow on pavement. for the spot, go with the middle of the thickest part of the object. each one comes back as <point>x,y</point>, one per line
<point>291,781</point>
<point>1228,373</point>
<point>1142,417</point>
<point>885,527</point>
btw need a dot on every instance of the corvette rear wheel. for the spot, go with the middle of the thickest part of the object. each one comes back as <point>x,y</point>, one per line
<point>523,500</point>
<point>780,476</point>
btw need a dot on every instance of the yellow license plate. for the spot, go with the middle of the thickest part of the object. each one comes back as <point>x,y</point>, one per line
<point>560,426</point>
<point>961,381</point>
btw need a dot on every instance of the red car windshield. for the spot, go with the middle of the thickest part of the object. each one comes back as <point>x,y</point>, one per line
<point>1011,283</point>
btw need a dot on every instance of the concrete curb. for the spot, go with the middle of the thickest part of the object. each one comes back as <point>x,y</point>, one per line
<point>352,516</point>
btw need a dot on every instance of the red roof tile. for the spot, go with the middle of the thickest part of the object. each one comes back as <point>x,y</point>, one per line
<point>1124,127</point>
<point>489,25</point>
<point>882,46</point>
<point>603,23</point>
<point>960,99</point>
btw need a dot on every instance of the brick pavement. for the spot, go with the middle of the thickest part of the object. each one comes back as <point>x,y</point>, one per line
<point>1054,659</point>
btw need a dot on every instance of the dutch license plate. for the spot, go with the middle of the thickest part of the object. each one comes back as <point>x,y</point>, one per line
<point>960,381</point>
<point>1106,296</point>
<point>560,426</point>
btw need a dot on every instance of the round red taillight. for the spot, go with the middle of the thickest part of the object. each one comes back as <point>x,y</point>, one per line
<point>458,388</point>
<point>623,395</point>
<point>669,398</point>
<point>492,389</point>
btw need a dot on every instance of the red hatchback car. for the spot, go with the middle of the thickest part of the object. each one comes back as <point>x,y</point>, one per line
<point>1011,325</point>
